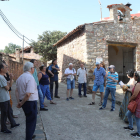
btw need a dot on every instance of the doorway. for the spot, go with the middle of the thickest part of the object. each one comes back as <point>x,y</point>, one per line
<point>123,58</point>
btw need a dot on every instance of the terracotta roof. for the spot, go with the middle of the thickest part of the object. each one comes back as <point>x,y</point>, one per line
<point>132,15</point>
<point>26,48</point>
<point>80,27</point>
<point>109,6</point>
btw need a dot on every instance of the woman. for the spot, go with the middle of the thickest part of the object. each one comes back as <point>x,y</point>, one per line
<point>136,97</point>
<point>102,64</point>
<point>44,83</point>
<point>123,107</point>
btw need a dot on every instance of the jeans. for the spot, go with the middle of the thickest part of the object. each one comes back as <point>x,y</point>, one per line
<point>30,110</point>
<point>70,84</point>
<point>6,112</point>
<point>84,88</point>
<point>130,119</point>
<point>46,92</point>
<point>56,88</point>
<point>107,91</point>
<point>41,99</point>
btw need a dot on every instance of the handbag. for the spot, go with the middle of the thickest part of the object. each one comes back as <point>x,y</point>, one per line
<point>132,106</point>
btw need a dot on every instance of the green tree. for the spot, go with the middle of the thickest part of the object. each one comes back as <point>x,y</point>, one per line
<point>1,51</point>
<point>44,45</point>
<point>11,48</point>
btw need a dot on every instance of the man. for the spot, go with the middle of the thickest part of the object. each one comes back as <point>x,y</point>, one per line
<point>112,79</point>
<point>6,110</point>
<point>38,87</point>
<point>27,96</point>
<point>82,79</point>
<point>99,74</point>
<point>70,73</point>
<point>53,70</point>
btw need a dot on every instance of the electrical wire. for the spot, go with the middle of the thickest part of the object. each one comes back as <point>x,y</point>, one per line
<point>12,27</point>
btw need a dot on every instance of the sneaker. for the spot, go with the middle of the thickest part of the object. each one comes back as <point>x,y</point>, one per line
<point>101,108</point>
<point>6,131</point>
<point>135,135</point>
<point>57,97</point>
<point>67,99</point>
<point>71,98</point>
<point>16,125</point>
<point>128,128</point>
<point>84,95</point>
<point>80,96</point>
<point>112,109</point>
<point>43,109</point>
<point>33,137</point>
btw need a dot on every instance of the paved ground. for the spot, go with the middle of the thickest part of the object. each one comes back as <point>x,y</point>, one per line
<point>19,133</point>
<point>73,120</point>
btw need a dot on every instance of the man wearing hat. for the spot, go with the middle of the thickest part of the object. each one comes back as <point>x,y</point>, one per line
<point>99,74</point>
<point>112,79</point>
<point>70,73</point>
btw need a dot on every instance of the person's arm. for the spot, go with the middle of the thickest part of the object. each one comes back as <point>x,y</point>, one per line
<point>51,73</point>
<point>26,97</point>
<point>78,72</point>
<point>39,76</point>
<point>66,73</point>
<point>49,70</point>
<point>53,67</point>
<point>136,91</point>
<point>114,79</point>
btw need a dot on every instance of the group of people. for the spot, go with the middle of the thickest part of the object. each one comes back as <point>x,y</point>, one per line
<point>33,85</point>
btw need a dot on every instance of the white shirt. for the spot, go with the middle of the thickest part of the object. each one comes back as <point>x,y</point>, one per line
<point>82,75</point>
<point>26,84</point>
<point>68,71</point>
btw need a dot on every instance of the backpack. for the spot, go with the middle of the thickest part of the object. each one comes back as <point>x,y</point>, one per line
<point>48,72</point>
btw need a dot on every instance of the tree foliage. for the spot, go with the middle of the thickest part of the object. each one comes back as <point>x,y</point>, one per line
<point>10,48</point>
<point>44,45</point>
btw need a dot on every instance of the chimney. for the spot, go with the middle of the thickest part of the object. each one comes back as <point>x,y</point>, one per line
<point>32,50</point>
<point>17,55</point>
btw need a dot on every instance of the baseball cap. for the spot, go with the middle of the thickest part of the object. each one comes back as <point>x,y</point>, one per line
<point>97,63</point>
<point>70,64</point>
<point>111,67</point>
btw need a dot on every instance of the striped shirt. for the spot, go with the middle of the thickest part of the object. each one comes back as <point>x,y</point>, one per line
<point>110,82</point>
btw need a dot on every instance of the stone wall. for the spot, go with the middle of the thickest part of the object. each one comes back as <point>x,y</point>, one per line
<point>98,37</point>
<point>73,51</point>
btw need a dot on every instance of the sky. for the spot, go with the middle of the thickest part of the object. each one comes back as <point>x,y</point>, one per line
<point>32,17</point>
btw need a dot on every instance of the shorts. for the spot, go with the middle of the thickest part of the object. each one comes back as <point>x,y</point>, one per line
<point>96,87</point>
<point>70,84</point>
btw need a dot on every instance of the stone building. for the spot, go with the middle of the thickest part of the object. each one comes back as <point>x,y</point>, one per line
<point>114,40</point>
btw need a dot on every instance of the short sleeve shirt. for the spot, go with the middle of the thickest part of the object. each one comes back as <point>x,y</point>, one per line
<point>82,75</point>
<point>26,84</point>
<point>68,71</point>
<point>54,71</point>
<point>110,82</point>
<point>36,77</point>
<point>99,76</point>
<point>4,94</point>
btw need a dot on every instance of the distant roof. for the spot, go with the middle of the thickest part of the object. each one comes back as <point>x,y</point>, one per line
<point>132,15</point>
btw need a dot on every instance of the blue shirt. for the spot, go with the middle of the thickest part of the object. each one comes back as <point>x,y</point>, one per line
<point>54,71</point>
<point>110,82</point>
<point>99,76</point>
<point>36,77</point>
